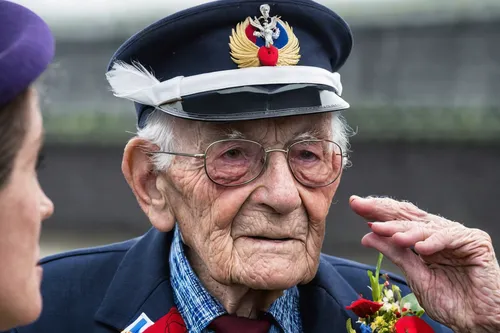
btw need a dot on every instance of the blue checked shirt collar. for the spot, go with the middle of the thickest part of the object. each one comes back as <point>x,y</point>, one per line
<point>198,308</point>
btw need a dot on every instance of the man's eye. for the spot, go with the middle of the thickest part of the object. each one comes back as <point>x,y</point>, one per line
<point>233,153</point>
<point>307,155</point>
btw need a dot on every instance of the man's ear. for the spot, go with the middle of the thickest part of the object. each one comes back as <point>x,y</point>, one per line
<point>140,174</point>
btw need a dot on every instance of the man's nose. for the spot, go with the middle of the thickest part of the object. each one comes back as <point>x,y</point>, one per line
<point>46,206</point>
<point>279,190</point>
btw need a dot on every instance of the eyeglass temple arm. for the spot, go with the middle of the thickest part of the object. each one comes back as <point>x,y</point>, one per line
<point>179,154</point>
<point>203,155</point>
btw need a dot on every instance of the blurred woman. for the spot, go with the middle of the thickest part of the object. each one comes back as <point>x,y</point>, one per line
<point>26,49</point>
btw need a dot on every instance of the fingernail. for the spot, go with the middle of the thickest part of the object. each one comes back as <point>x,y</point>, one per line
<point>353,197</point>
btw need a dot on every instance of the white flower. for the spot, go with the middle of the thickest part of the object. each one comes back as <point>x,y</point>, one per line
<point>386,307</point>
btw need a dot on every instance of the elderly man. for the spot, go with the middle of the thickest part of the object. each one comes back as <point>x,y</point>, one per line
<point>239,152</point>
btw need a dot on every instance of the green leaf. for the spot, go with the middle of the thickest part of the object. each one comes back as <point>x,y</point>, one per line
<point>379,265</point>
<point>412,300</point>
<point>375,286</point>
<point>420,313</point>
<point>397,292</point>
<point>349,326</point>
<point>375,280</point>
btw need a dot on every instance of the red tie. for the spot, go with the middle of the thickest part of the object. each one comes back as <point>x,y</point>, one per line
<point>232,324</point>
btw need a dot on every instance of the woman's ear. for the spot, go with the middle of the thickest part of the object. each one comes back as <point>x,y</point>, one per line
<point>140,174</point>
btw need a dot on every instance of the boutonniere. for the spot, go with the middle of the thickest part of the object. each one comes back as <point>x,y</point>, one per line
<point>172,322</point>
<point>387,312</point>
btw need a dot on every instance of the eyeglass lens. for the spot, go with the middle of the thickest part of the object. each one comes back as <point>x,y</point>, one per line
<point>235,162</point>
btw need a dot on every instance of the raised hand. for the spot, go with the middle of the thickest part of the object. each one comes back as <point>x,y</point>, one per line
<point>453,272</point>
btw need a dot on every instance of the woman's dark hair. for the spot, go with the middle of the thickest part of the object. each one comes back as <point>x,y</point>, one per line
<point>12,131</point>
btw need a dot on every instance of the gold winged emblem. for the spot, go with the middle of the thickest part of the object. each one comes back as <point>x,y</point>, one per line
<point>278,44</point>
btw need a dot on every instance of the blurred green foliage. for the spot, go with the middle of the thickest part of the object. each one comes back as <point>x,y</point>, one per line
<point>412,124</point>
<point>369,123</point>
<point>92,128</point>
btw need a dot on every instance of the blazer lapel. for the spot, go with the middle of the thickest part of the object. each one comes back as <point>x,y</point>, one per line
<point>323,301</point>
<point>141,285</point>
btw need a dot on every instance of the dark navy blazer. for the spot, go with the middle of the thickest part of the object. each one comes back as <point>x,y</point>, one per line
<point>104,289</point>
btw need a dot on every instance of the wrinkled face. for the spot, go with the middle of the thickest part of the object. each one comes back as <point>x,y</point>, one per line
<point>266,234</point>
<point>23,205</point>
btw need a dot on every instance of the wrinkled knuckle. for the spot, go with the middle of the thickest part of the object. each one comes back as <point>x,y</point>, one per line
<point>408,225</point>
<point>445,235</point>
<point>454,232</point>
<point>446,227</point>
<point>424,227</point>
<point>481,235</point>
<point>415,226</point>
<point>410,210</point>
<point>426,231</point>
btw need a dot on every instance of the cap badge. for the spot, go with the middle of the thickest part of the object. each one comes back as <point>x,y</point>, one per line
<point>264,41</point>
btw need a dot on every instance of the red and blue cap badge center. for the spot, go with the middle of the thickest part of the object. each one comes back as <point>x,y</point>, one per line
<point>264,41</point>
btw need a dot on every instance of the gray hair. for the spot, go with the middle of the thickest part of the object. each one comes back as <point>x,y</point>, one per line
<point>159,131</point>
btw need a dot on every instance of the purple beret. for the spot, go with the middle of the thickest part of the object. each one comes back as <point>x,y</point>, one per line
<point>26,49</point>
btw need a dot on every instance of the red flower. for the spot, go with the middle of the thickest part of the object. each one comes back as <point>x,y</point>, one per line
<point>364,308</point>
<point>412,324</point>
<point>172,322</point>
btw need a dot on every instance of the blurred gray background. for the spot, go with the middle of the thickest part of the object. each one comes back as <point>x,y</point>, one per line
<point>423,82</point>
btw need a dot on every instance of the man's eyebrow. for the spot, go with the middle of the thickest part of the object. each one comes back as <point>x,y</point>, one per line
<point>309,134</point>
<point>221,134</point>
<point>231,133</point>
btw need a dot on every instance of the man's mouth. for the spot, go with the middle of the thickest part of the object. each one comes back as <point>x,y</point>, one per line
<point>275,239</point>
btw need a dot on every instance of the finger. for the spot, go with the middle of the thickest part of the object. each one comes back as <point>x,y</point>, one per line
<point>463,241</point>
<point>386,209</point>
<point>411,237</point>
<point>404,233</point>
<point>389,228</point>
<point>410,264</point>
<point>431,245</point>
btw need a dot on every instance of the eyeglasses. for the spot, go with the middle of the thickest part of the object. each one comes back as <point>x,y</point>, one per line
<point>235,162</point>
